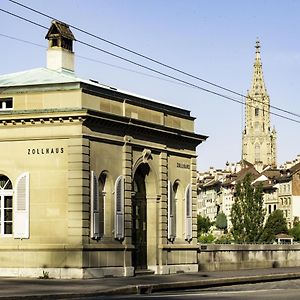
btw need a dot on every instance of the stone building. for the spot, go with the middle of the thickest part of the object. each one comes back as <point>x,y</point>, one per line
<point>94,181</point>
<point>258,140</point>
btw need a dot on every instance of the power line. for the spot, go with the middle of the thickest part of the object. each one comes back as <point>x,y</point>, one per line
<point>95,60</point>
<point>155,71</point>
<point>154,60</point>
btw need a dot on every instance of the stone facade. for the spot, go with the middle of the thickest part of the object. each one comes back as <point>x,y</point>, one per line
<point>88,174</point>
<point>258,140</point>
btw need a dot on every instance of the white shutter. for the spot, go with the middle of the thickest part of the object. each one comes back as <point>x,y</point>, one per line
<point>119,207</point>
<point>21,207</point>
<point>95,213</point>
<point>171,213</point>
<point>188,213</point>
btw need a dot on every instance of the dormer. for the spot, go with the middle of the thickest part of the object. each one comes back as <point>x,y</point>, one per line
<point>60,55</point>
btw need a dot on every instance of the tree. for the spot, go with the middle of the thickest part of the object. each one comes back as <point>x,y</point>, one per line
<point>295,232</point>
<point>221,221</point>
<point>247,214</point>
<point>203,224</point>
<point>276,223</point>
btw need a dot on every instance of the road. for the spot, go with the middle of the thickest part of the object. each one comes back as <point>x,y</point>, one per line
<point>287,290</point>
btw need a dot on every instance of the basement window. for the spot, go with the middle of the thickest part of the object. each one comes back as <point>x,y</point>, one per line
<point>6,103</point>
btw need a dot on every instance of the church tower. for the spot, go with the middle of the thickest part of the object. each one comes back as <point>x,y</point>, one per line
<point>259,141</point>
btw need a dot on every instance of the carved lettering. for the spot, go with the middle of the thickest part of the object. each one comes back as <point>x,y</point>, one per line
<point>45,151</point>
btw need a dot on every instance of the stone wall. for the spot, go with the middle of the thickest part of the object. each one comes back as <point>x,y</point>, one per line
<point>235,257</point>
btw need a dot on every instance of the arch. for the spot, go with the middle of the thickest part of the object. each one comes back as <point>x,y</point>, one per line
<point>150,179</point>
<point>179,200</point>
<point>106,203</point>
<point>6,205</point>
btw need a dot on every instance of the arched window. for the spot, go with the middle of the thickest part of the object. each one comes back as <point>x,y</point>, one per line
<point>6,206</point>
<point>257,152</point>
<point>101,205</point>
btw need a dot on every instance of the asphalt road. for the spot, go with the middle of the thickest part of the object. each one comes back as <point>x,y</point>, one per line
<point>287,290</point>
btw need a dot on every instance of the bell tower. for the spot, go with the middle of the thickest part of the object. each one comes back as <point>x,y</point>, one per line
<point>60,55</point>
<point>258,141</point>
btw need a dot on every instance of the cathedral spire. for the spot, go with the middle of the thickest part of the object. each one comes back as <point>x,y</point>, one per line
<point>258,84</point>
<point>259,142</point>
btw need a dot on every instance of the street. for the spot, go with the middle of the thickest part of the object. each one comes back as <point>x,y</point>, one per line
<point>288,290</point>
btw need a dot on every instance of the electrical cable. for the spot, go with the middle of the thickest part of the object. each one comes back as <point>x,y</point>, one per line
<point>153,70</point>
<point>154,60</point>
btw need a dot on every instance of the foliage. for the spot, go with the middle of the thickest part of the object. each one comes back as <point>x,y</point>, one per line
<point>276,223</point>
<point>224,239</point>
<point>247,214</point>
<point>203,224</point>
<point>295,232</point>
<point>206,238</point>
<point>221,221</point>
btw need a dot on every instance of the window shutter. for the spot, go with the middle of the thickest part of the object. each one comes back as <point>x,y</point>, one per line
<point>95,213</point>
<point>188,213</point>
<point>171,213</point>
<point>21,207</point>
<point>119,208</point>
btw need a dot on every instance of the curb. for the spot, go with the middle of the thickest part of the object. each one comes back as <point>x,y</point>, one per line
<point>160,287</point>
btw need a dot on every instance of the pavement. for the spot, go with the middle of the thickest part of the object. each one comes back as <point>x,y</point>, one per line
<point>22,288</point>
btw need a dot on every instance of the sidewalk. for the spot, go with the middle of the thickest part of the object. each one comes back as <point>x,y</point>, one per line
<point>55,289</point>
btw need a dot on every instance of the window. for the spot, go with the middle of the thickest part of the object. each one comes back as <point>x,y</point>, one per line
<point>6,207</point>
<point>256,111</point>
<point>6,103</point>
<point>257,152</point>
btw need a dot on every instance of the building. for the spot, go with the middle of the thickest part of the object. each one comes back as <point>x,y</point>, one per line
<point>94,181</point>
<point>258,140</point>
<point>281,190</point>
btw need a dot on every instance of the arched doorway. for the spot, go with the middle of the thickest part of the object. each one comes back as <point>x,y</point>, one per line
<point>139,217</point>
<point>6,206</point>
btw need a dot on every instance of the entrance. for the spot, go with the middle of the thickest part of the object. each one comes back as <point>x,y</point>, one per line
<point>139,218</point>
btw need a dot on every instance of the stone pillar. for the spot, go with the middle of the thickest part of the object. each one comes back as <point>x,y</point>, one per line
<point>194,198</point>
<point>127,172</point>
<point>78,191</point>
<point>162,210</point>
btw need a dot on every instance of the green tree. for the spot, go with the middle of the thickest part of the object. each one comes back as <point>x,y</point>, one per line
<point>221,221</point>
<point>247,214</point>
<point>203,224</point>
<point>295,232</point>
<point>276,223</point>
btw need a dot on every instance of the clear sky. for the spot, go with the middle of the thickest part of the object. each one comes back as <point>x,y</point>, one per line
<point>211,39</point>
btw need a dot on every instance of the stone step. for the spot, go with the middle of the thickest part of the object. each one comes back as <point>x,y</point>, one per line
<point>143,272</point>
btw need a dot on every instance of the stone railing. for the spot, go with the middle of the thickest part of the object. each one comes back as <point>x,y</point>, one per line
<point>220,257</point>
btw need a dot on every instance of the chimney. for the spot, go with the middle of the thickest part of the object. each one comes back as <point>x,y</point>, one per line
<point>60,55</point>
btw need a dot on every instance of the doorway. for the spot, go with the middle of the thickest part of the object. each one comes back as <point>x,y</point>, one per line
<point>139,217</point>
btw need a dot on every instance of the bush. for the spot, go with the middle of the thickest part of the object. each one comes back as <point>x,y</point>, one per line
<point>203,224</point>
<point>206,238</point>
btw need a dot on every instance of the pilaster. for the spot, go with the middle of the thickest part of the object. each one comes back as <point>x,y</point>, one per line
<point>78,191</point>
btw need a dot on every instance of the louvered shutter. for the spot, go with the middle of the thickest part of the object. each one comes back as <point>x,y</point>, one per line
<point>21,207</point>
<point>188,213</point>
<point>171,213</point>
<point>95,213</point>
<point>119,208</point>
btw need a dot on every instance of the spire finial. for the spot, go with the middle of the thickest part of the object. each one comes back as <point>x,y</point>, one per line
<point>257,46</point>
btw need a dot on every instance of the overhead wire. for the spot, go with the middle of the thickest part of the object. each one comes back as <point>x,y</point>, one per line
<point>95,60</point>
<point>154,70</point>
<point>154,60</point>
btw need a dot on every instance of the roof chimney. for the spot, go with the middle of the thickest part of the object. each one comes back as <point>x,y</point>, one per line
<point>60,55</point>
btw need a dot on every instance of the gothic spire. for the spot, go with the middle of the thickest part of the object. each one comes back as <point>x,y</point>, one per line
<point>258,87</point>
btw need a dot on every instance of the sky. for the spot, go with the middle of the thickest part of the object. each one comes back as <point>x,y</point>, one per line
<point>213,40</point>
